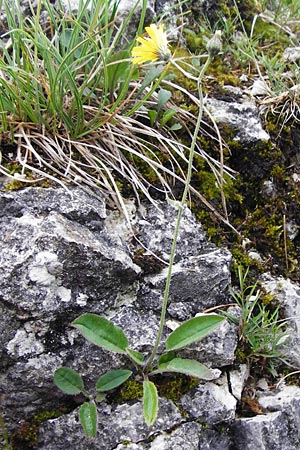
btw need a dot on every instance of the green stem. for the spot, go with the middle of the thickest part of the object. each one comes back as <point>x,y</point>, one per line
<point>178,220</point>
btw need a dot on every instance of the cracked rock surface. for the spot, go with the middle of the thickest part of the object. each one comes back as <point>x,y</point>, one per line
<point>63,254</point>
<point>278,428</point>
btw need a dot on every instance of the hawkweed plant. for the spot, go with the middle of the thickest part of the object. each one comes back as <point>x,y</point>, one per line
<point>102,332</point>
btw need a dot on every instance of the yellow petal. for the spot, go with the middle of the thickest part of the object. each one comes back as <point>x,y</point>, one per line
<point>153,47</point>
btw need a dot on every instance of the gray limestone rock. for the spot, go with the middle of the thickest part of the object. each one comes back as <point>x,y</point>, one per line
<point>288,295</point>
<point>127,6</point>
<point>210,403</point>
<point>187,436</point>
<point>191,238</point>
<point>279,429</point>
<point>116,424</point>
<point>291,54</point>
<point>273,431</point>
<point>52,259</point>
<point>207,275</point>
<point>242,117</point>
<point>54,263</point>
<point>62,254</point>
<point>198,263</point>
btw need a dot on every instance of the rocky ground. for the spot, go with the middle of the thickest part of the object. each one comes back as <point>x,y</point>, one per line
<point>64,252</point>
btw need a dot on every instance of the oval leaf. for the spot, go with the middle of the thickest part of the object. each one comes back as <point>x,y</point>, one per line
<point>68,381</point>
<point>175,127</point>
<point>88,418</point>
<point>162,97</point>
<point>101,332</point>
<point>167,116</point>
<point>136,356</point>
<point>150,76</point>
<point>192,330</point>
<point>150,402</point>
<point>188,367</point>
<point>112,379</point>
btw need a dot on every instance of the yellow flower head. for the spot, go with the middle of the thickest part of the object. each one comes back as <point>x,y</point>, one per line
<point>152,48</point>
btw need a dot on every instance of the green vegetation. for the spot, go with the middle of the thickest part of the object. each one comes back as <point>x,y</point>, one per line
<point>103,333</point>
<point>74,109</point>
<point>261,331</point>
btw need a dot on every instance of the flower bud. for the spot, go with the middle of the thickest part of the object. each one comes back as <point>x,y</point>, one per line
<point>214,45</point>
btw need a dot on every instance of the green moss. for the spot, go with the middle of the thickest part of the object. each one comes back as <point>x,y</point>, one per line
<point>25,437</point>
<point>222,74</point>
<point>278,172</point>
<point>171,387</point>
<point>130,390</point>
<point>174,387</point>
<point>242,259</point>
<point>47,415</point>
<point>15,184</point>
<point>259,217</point>
<point>269,34</point>
<point>194,41</point>
<point>268,299</point>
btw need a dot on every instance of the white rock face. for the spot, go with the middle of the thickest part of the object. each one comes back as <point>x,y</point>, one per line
<point>238,379</point>
<point>241,117</point>
<point>276,430</point>
<point>285,396</point>
<point>210,403</point>
<point>24,344</point>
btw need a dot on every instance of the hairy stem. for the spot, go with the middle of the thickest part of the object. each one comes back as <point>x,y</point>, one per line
<point>178,220</point>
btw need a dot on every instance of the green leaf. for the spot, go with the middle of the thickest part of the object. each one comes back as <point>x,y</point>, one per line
<point>88,418</point>
<point>150,76</point>
<point>167,116</point>
<point>166,357</point>
<point>117,68</point>
<point>175,127</point>
<point>192,330</point>
<point>100,396</point>
<point>187,366</point>
<point>68,381</point>
<point>65,37</point>
<point>150,402</point>
<point>112,379</point>
<point>152,116</point>
<point>101,332</point>
<point>162,97</point>
<point>136,356</point>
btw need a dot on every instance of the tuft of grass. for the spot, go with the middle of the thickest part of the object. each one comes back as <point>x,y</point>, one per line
<point>262,333</point>
<point>77,110</point>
